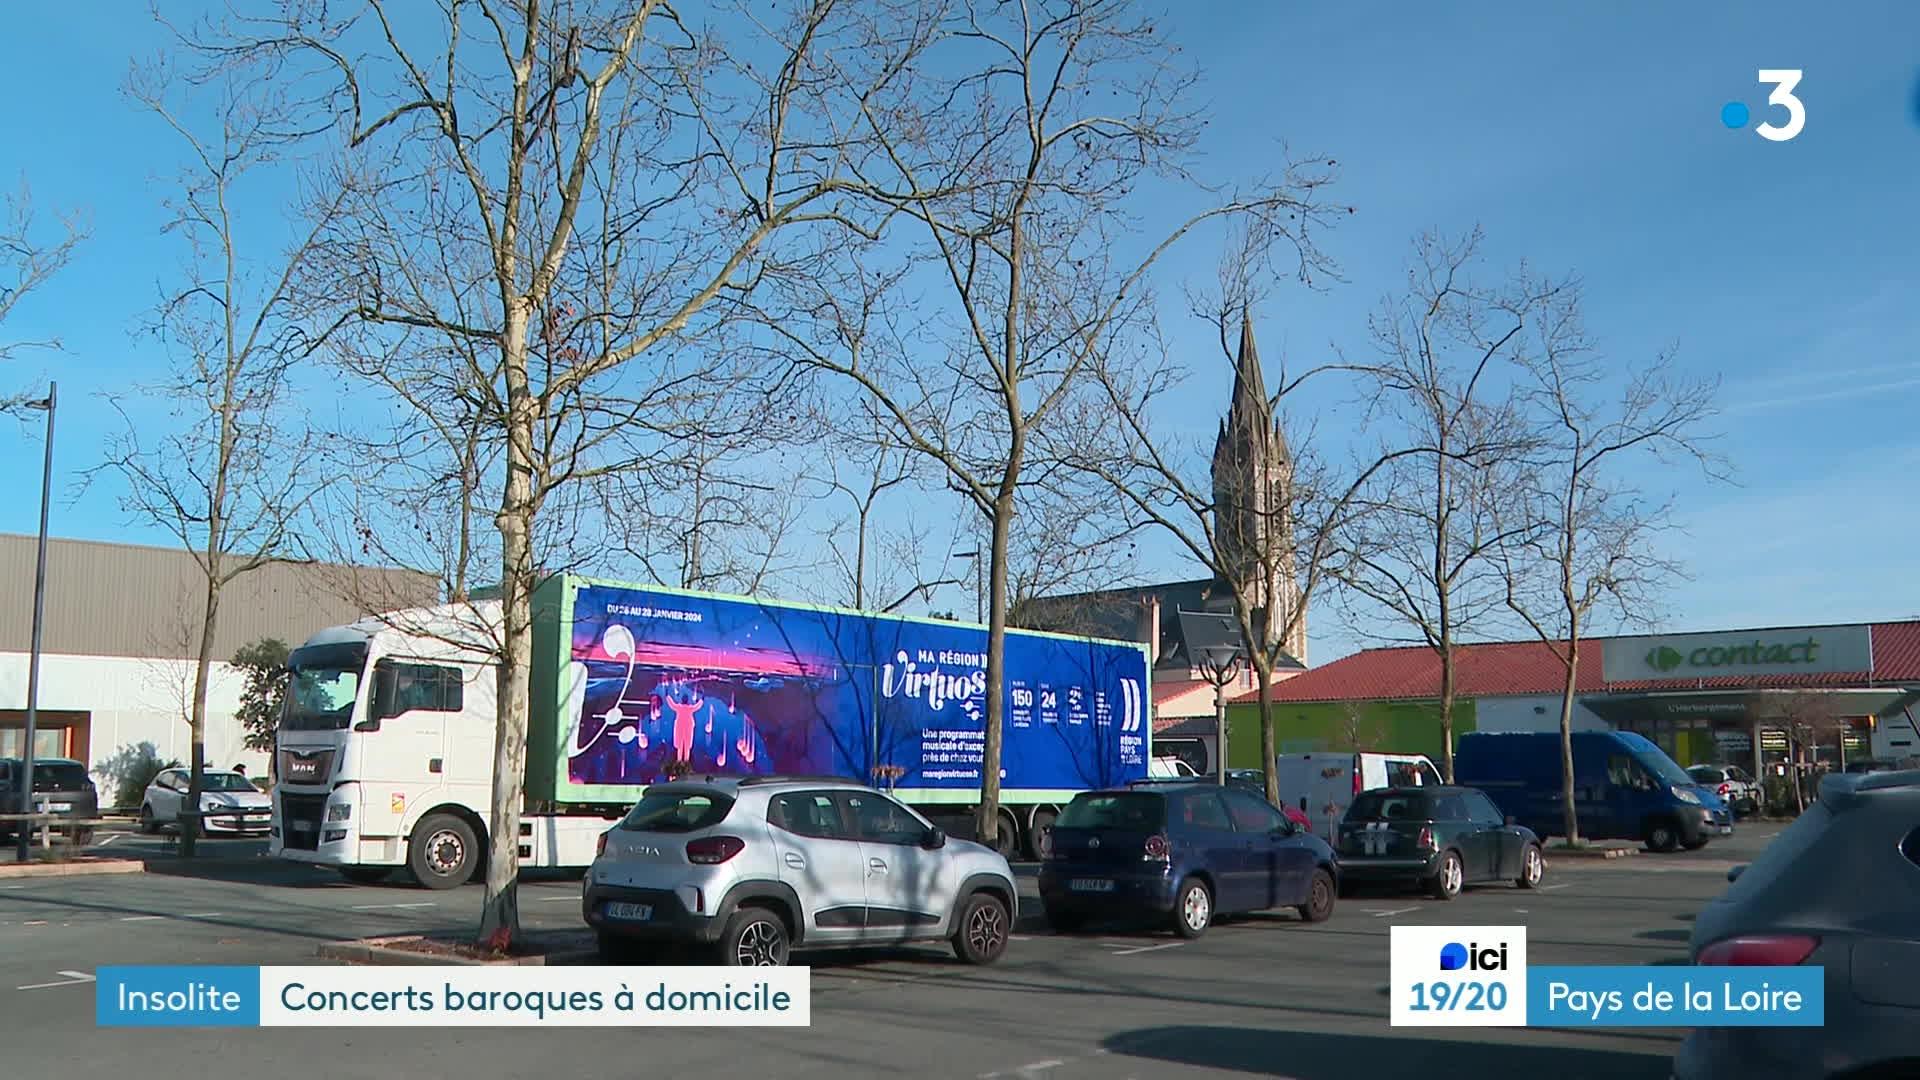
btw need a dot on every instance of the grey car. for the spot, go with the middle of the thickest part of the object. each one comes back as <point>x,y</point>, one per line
<point>1837,889</point>
<point>61,787</point>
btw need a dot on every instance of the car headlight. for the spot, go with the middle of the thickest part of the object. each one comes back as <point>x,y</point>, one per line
<point>339,811</point>
<point>1684,795</point>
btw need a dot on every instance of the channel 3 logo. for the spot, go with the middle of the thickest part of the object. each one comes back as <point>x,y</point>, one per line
<point>1736,115</point>
<point>1471,957</point>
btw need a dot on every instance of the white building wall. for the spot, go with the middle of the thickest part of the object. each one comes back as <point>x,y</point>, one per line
<point>1531,712</point>
<point>134,701</point>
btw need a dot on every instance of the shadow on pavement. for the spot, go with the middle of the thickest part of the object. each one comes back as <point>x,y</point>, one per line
<point>1312,1056</point>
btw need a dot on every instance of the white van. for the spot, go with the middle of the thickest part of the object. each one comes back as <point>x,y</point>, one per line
<point>1323,784</point>
<point>1168,768</point>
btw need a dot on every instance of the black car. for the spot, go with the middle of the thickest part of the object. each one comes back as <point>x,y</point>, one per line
<point>1440,839</point>
<point>61,786</point>
<point>1181,853</point>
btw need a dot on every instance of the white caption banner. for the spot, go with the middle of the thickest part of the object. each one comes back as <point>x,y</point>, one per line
<point>459,996</point>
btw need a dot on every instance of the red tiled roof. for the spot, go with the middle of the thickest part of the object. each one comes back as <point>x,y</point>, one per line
<point>1532,667</point>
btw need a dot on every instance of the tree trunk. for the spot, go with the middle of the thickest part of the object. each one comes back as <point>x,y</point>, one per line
<point>988,825</point>
<point>1569,819</point>
<point>1446,711</point>
<point>500,917</point>
<point>197,715</point>
<point>1268,750</point>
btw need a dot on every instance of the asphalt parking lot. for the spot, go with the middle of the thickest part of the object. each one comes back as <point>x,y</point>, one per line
<point>1262,996</point>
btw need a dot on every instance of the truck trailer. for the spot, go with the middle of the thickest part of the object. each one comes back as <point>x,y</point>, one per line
<point>385,751</point>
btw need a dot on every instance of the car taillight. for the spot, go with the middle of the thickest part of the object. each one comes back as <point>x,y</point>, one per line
<point>1426,837</point>
<point>1156,849</point>
<point>1759,950</point>
<point>1356,778</point>
<point>1724,788</point>
<point>710,850</point>
<point>600,846</point>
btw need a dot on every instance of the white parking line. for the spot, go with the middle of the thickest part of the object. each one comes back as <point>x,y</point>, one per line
<point>141,918</point>
<point>201,914</point>
<point>559,900</point>
<point>378,907</point>
<point>1562,885</point>
<point>1025,1071</point>
<point>1379,914</point>
<point>12,886</point>
<point>73,978</point>
<point>111,839</point>
<point>1141,949</point>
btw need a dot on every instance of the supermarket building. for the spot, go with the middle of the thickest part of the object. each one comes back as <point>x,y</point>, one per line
<point>1734,696</point>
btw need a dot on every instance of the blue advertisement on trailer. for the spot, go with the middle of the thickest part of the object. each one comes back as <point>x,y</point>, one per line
<point>741,687</point>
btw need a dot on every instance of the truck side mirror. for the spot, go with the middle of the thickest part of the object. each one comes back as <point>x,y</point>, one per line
<point>383,702</point>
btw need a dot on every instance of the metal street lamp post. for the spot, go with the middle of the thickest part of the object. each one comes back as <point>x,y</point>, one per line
<point>1221,665</point>
<point>979,583</point>
<point>25,831</point>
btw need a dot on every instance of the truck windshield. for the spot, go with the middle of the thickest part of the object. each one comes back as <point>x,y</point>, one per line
<point>325,683</point>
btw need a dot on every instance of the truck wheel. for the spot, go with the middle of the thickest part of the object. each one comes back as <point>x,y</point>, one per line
<point>366,875</point>
<point>1037,832</point>
<point>443,852</point>
<point>1007,842</point>
<point>981,937</point>
<point>1662,836</point>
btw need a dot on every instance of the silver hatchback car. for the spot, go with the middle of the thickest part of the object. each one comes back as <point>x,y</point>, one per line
<point>760,866</point>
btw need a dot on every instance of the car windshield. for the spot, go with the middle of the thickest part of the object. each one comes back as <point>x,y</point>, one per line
<point>677,811</point>
<point>59,775</point>
<point>324,686</point>
<point>1662,768</point>
<point>225,781</point>
<point>1131,811</point>
<point>1390,806</point>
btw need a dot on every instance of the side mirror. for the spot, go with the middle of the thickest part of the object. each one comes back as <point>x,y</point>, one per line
<point>933,839</point>
<point>383,702</point>
<point>1733,875</point>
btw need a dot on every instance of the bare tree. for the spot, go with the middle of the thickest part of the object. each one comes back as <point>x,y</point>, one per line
<point>28,260</point>
<point>1808,719</point>
<point>1419,558</point>
<point>1357,731</point>
<point>1581,536</point>
<point>1013,156</point>
<point>874,566</point>
<point>229,482</point>
<point>568,187</point>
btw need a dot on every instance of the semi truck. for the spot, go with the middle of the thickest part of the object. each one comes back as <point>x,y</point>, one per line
<point>385,751</point>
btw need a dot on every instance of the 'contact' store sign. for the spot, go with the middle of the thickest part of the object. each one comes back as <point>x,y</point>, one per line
<point>1804,650</point>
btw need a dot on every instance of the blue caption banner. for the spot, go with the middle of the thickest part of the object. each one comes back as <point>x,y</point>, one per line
<point>196,996</point>
<point>1607,996</point>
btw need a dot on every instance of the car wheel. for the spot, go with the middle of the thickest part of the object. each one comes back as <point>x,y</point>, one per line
<point>1065,921</point>
<point>1662,836</point>
<point>1445,884</point>
<point>754,937</point>
<point>615,949</point>
<point>1533,867</point>
<point>1192,909</point>
<point>1037,833</point>
<point>443,852</point>
<point>1320,897</point>
<point>981,937</point>
<point>148,824</point>
<point>366,875</point>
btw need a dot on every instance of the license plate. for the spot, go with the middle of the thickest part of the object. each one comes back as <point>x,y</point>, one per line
<point>629,912</point>
<point>1091,885</point>
<point>1726,830</point>
<point>56,807</point>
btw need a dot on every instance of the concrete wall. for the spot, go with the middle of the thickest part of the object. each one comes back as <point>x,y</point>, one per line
<point>1533,712</point>
<point>131,701</point>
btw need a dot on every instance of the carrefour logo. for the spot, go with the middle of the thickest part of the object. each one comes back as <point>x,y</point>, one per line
<point>1471,957</point>
<point>1666,658</point>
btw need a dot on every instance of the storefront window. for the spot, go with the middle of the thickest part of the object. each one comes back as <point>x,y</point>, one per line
<point>47,742</point>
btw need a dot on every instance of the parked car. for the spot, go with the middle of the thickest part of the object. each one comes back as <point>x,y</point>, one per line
<point>1875,765</point>
<point>1440,839</point>
<point>1735,788</point>
<point>1255,781</point>
<point>1831,891</point>
<point>229,803</point>
<point>61,786</point>
<point>1625,787</point>
<point>758,867</point>
<point>1181,854</point>
<point>1167,767</point>
<point>1322,785</point>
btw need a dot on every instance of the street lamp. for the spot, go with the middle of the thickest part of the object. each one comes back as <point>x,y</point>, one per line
<point>979,583</point>
<point>1220,665</point>
<point>39,608</point>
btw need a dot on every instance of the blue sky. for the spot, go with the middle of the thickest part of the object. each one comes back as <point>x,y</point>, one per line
<point>1585,139</point>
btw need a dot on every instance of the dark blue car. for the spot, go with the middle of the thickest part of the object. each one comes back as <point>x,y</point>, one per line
<point>1181,854</point>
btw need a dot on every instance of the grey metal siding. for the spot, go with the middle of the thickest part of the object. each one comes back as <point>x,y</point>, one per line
<point>108,599</point>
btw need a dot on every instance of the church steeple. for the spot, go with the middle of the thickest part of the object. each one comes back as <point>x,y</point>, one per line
<point>1253,499</point>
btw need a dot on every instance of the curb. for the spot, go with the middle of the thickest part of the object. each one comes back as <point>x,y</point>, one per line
<point>380,952</point>
<point>71,869</point>
<point>1591,853</point>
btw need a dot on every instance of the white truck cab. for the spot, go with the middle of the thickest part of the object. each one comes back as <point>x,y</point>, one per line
<point>385,753</point>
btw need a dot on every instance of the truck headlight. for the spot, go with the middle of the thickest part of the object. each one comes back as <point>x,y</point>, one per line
<point>1684,795</point>
<point>339,811</point>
